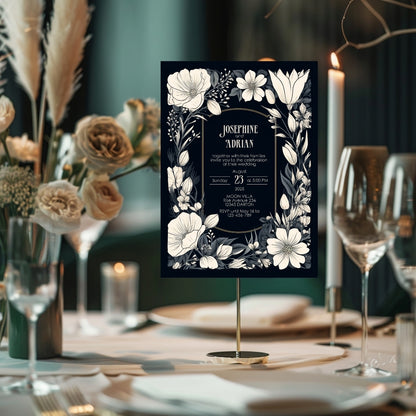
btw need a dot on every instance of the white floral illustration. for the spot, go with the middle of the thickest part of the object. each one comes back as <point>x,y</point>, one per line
<point>183,233</point>
<point>175,178</point>
<point>289,87</point>
<point>283,239</point>
<point>302,117</point>
<point>223,252</point>
<point>287,249</point>
<point>187,88</point>
<point>250,85</point>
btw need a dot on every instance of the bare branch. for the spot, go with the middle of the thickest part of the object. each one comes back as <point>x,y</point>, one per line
<point>388,33</point>
<point>276,5</point>
<point>377,15</point>
<point>376,41</point>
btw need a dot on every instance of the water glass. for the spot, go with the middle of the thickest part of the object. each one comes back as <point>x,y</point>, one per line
<point>404,334</point>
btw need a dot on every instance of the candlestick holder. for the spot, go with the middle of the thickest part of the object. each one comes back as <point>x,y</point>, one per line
<point>333,305</point>
<point>120,283</point>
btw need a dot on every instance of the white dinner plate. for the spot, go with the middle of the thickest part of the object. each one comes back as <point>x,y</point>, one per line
<point>278,393</point>
<point>315,317</point>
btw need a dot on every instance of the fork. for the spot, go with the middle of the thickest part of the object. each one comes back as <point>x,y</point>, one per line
<point>49,405</point>
<point>78,404</point>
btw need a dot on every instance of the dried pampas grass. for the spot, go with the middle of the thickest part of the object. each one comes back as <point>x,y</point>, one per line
<point>65,50</point>
<point>2,68</point>
<point>21,34</point>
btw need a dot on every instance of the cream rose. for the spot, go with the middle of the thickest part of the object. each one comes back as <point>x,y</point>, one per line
<point>6,113</point>
<point>104,144</point>
<point>58,207</point>
<point>101,197</point>
<point>132,118</point>
<point>21,148</point>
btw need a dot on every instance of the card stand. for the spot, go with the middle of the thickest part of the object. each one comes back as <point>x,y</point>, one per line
<point>238,356</point>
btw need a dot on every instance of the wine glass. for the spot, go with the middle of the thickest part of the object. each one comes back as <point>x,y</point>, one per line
<point>81,240</point>
<point>355,214</point>
<point>31,285</point>
<point>398,215</point>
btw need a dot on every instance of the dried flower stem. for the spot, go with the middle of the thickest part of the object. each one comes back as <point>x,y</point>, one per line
<point>34,119</point>
<point>128,171</point>
<point>38,163</point>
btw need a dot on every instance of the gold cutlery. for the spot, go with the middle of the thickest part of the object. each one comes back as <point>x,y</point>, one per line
<point>77,403</point>
<point>50,405</point>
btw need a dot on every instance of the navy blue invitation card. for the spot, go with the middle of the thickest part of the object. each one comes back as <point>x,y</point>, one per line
<point>239,169</point>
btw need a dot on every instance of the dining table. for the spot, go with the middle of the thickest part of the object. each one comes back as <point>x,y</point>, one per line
<point>164,358</point>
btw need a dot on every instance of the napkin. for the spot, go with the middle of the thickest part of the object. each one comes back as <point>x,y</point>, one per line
<point>19,367</point>
<point>204,391</point>
<point>254,392</point>
<point>256,310</point>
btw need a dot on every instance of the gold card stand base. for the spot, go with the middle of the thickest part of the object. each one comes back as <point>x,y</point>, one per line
<point>238,357</point>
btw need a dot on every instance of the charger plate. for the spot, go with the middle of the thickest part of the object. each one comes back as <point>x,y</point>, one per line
<point>313,318</point>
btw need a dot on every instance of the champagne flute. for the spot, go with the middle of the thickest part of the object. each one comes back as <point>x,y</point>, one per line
<point>31,285</point>
<point>398,215</point>
<point>355,214</point>
<point>81,240</point>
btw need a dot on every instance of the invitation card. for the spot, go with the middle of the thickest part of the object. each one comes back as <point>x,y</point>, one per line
<point>239,169</point>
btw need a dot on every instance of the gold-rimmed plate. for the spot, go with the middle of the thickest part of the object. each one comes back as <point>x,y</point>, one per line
<point>314,318</point>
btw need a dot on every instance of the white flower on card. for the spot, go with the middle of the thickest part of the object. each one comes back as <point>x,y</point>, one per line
<point>290,154</point>
<point>287,248</point>
<point>187,88</point>
<point>175,178</point>
<point>183,233</point>
<point>250,85</point>
<point>289,87</point>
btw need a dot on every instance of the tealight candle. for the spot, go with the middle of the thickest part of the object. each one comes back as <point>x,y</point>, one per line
<point>336,80</point>
<point>119,291</point>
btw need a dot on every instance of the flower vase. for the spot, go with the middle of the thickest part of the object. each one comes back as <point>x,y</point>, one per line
<point>49,324</point>
<point>48,332</point>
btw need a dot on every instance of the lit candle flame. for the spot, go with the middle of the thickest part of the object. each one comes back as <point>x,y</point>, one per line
<point>334,61</point>
<point>119,268</point>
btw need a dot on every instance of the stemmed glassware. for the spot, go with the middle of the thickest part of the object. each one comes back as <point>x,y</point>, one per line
<point>81,240</point>
<point>398,215</point>
<point>31,285</point>
<point>355,214</point>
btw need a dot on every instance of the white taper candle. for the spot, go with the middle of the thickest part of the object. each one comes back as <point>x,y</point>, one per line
<point>336,79</point>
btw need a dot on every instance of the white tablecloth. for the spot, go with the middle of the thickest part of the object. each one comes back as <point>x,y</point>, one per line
<point>157,349</point>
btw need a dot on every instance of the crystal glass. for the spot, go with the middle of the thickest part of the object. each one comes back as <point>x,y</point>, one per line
<point>355,214</point>
<point>81,240</point>
<point>398,215</point>
<point>31,285</point>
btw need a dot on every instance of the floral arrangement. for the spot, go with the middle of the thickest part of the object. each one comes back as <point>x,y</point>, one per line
<point>48,176</point>
<point>283,238</point>
<point>51,176</point>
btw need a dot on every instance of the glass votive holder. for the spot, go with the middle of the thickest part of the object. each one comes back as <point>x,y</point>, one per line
<point>405,341</point>
<point>120,283</point>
